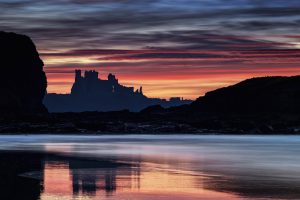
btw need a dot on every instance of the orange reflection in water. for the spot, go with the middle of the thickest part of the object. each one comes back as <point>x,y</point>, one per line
<point>57,178</point>
<point>145,181</point>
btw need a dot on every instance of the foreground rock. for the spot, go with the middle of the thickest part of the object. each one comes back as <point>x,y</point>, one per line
<point>22,79</point>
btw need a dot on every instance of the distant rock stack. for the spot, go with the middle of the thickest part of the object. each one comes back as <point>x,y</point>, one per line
<point>23,82</point>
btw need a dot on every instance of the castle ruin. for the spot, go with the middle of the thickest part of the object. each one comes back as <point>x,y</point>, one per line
<point>91,93</point>
<point>91,85</point>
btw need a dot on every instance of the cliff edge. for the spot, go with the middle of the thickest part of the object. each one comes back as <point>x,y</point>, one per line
<point>22,80</point>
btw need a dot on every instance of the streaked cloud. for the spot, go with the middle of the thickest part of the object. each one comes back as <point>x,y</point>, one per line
<point>179,44</point>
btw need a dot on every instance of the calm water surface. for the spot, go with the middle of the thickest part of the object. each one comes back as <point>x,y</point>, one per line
<point>164,167</point>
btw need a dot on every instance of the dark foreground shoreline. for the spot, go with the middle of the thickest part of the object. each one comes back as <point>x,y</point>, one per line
<point>125,122</point>
<point>22,172</point>
<point>12,185</point>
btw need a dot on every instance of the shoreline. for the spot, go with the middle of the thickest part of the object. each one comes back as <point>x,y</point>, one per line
<point>125,122</point>
<point>140,134</point>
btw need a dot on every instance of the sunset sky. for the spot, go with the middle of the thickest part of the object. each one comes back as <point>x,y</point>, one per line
<point>170,47</point>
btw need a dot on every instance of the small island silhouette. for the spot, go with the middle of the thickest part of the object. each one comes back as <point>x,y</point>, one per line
<point>90,93</point>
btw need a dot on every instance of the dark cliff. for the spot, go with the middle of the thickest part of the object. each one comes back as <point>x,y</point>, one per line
<point>256,95</point>
<point>22,79</point>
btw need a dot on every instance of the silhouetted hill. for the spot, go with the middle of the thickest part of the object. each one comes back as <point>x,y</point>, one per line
<point>153,109</point>
<point>22,79</point>
<point>256,95</point>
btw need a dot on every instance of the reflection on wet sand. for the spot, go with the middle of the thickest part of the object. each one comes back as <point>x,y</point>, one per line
<point>85,179</point>
<point>57,178</point>
<point>255,185</point>
<point>149,167</point>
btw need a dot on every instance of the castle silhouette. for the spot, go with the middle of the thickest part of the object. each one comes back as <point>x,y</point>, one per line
<point>90,93</point>
<point>91,85</point>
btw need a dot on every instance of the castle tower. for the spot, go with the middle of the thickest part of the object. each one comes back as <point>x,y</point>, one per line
<point>141,90</point>
<point>91,75</point>
<point>112,79</point>
<point>77,75</point>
